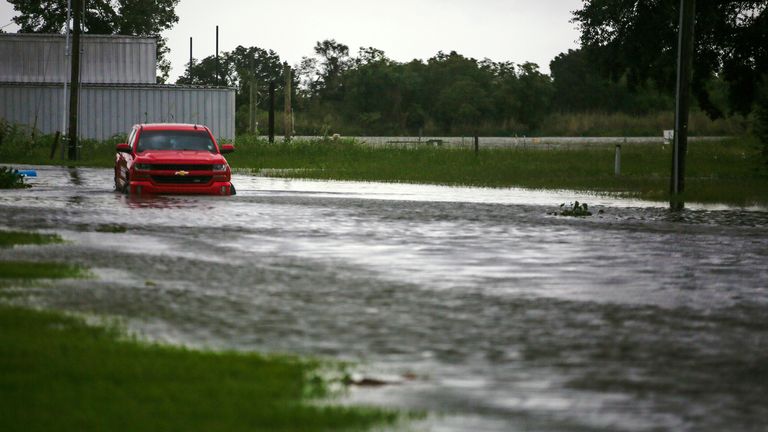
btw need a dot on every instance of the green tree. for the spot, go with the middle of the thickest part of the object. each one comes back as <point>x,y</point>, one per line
<point>638,38</point>
<point>534,95</point>
<point>373,91</point>
<point>125,17</point>
<point>334,60</point>
<point>579,86</point>
<point>255,65</point>
<point>209,72</point>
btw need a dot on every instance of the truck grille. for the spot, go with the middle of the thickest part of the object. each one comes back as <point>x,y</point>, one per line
<point>182,179</point>
<point>181,167</point>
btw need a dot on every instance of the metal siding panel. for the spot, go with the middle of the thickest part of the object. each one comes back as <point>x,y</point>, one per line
<point>188,107</point>
<point>149,52</point>
<point>97,120</point>
<point>105,59</point>
<point>114,123</point>
<point>82,113</point>
<point>106,111</point>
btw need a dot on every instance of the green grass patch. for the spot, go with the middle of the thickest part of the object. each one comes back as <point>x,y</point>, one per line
<point>10,238</point>
<point>40,270</point>
<point>61,374</point>
<point>727,172</point>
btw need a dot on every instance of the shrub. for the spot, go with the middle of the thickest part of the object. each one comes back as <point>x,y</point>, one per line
<point>10,178</point>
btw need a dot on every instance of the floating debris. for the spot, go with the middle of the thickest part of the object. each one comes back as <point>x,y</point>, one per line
<point>574,209</point>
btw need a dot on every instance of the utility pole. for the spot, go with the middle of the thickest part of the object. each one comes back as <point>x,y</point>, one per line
<point>217,55</point>
<point>190,56</point>
<point>271,120</point>
<point>682,96</point>
<point>288,120</point>
<point>77,6</point>
<point>252,101</point>
<point>253,106</point>
<point>64,94</point>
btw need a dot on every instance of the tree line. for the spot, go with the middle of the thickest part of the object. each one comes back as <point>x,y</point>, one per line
<point>449,94</point>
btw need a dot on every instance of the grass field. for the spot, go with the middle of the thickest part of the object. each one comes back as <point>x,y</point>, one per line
<point>728,172</point>
<point>731,172</point>
<point>59,373</point>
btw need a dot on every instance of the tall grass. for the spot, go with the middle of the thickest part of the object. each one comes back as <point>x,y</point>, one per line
<point>24,146</point>
<point>620,124</point>
<point>597,124</point>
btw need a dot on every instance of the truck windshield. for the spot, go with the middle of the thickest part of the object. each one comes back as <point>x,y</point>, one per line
<point>175,140</point>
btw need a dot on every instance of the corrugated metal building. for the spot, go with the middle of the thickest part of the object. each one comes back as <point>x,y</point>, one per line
<point>105,59</point>
<point>111,109</point>
<point>118,87</point>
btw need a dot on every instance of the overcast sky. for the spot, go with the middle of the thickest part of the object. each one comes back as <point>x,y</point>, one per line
<point>502,30</point>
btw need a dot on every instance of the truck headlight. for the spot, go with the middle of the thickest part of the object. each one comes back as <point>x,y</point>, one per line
<point>220,167</point>
<point>142,167</point>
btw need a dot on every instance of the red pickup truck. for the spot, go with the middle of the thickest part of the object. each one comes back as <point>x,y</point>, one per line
<point>172,158</point>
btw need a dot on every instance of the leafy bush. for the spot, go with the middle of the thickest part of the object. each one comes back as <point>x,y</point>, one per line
<point>10,178</point>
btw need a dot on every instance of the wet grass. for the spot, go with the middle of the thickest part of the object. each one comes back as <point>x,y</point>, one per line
<point>58,373</point>
<point>61,374</point>
<point>21,147</point>
<point>39,270</point>
<point>726,172</point>
<point>10,238</point>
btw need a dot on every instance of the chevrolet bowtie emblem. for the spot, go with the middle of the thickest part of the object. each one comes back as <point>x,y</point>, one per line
<point>182,173</point>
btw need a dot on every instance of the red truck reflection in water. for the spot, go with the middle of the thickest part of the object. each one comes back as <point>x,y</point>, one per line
<point>166,158</point>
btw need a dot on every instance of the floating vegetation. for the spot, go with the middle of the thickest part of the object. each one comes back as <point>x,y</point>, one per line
<point>111,228</point>
<point>11,179</point>
<point>574,209</point>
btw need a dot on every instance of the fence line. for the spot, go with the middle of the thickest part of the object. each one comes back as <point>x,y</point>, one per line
<point>508,142</point>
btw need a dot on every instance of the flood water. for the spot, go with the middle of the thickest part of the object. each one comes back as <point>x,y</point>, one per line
<point>500,316</point>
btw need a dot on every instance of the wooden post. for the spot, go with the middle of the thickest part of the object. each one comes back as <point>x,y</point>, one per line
<point>477,145</point>
<point>287,121</point>
<point>55,144</point>
<point>250,108</point>
<point>617,161</point>
<point>77,6</point>
<point>684,66</point>
<point>271,120</point>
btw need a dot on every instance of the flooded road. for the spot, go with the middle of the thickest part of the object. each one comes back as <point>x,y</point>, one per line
<point>502,317</point>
